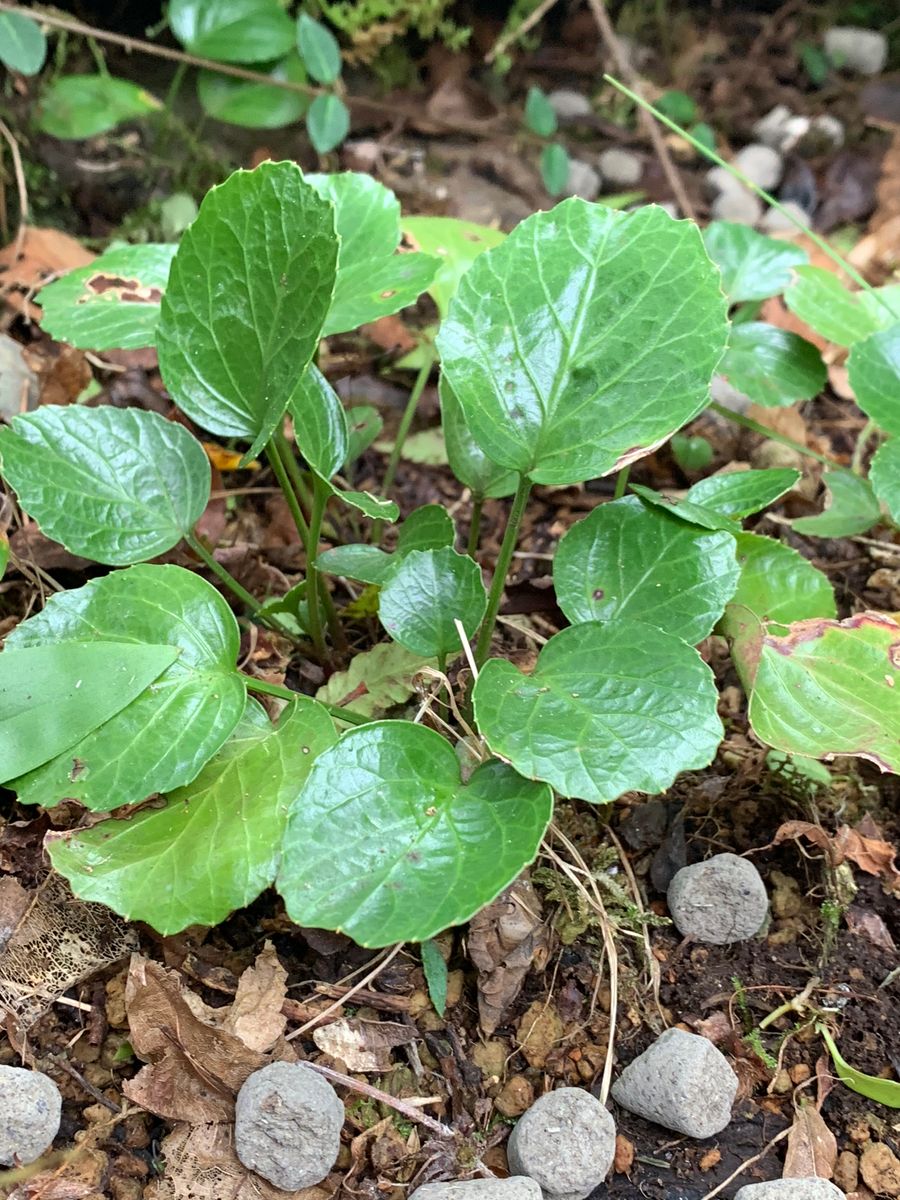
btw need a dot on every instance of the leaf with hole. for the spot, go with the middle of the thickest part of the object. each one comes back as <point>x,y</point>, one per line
<point>753,266</point>
<point>629,560</point>
<point>851,507</point>
<point>874,372</point>
<point>555,166</point>
<point>376,680</point>
<point>327,122</point>
<point>214,845</point>
<point>884,476</point>
<point>819,298</point>
<point>23,46</point>
<point>255,105</point>
<point>773,367</point>
<point>232,31</point>
<point>455,244</point>
<point>742,493</point>
<point>609,708</point>
<point>572,352</point>
<point>53,696</point>
<point>386,843</point>
<point>319,49</point>
<point>468,461</point>
<point>425,593</point>
<point>540,115</point>
<point>82,106</point>
<point>117,485</point>
<point>373,280</point>
<point>249,290</point>
<point>163,738</point>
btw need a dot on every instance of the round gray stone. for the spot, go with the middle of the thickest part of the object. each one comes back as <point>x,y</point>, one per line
<point>718,901</point>
<point>777,222</point>
<point>30,1107</point>
<point>791,1189</point>
<point>681,1082</point>
<point>517,1187</point>
<point>287,1125</point>
<point>568,104</point>
<point>738,205</point>
<point>761,164</point>
<point>862,50</point>
<point>623,168</point>
<point>566,1142</point>
<point>583,180</point>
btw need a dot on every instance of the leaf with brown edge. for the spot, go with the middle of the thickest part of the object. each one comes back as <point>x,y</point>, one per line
<point>811,1146</point>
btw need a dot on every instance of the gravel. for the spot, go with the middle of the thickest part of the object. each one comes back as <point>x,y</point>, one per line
<point>738,205</point>
<point>583,180</point>
<point>791,1189</point>
<point>761,164</point>
<point>30,1107</point>
<point>681,1082</point>
<point>566,1142</point>
<point>569,104</point>
<point>621,168</point>
<point>517,1187</point>
<point>719,901</point>
<point>287,1125</point>
<point>854,49</point>
<point>776,222</point>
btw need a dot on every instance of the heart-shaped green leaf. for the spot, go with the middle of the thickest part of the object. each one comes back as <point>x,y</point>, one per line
<point>425,593</point>
<point>113,304</point>
<point>771,366</point>
<point>455,244</point>
<point>163,738</point>
<point>874,371</point>
<point>572,351</point>
<point>249,290</point>
<point>377,679</point>
<point>831,687</point>
<point>740,493</point>
<point>327,122</point>
<point>319,49</point>
<point>628,560</point>
<point>52,696</point>
<point>387,844</point>
<point>23,46</point>
<point>820,299</point>
<point>215,844</point>
<point>82,106</point>
<point>372,279</point>
<point>850,507</point>
<point>255,105</point>
<point>753,266</point>
<point>427,528</point>
<point>468,461</point>
<point>233,31</point>
<point>609,708</point>
<point>117,485</point>
<point>884,475</point>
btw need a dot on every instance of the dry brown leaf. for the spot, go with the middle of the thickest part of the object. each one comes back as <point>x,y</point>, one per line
<point>870,925</point>
<point>363,1045</point>
<point>811,1146</point>
<point>880,1169</point>
<point>84,1173</point>
<point>870,853</point>
<point>46,253</point>
<point>255,1015</point>
<point>505,939</point>
<point>539,1029</point>
<point>787,421</point>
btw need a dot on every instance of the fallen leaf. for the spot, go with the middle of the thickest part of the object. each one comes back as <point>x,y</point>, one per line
<point>870,925</point>
<point>880,1169</point>
<point>871,854</point>
<point>811,1146</point>
<point>46,253</point>
<point>84,1174</point>
<point>255,1015</point>
<point>363,1045</point>
<point>505,939</point>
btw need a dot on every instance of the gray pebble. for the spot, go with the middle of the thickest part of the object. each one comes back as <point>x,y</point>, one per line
<point>791,1189</point>
<point>30,1107</point>
<point>776,222</point>
<point>761,164</point>
<point>622,168</point>
<point>681,1082</point>
<point>829,129</point>
<point>862,50</point>
<point>723,393</point>
<point>583,180</point>
<point>738,205</point>
<point>566,1142</point>
<point>770,129</point>
<point>568,104</point>
<point>719,901</point>
<point>287,1125</point>
<point>517,1187</point>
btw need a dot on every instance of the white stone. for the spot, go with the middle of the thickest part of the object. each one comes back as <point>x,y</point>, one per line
<point>739,205</point>
<point>854,49</point>
<point>566,1142</point>
<point>517,1187</point>
<point>622,168</point>
<point>30,1108</point>
<point>566,103</point>
<point>829,129</point>
<point>761,164</point>
<point>671,208</point>
<point>776,222</point>
<point>583,180</point>
<point>810,1188</point>
<point>719,901</point>
<point>770,129</point>
<point>729,397</point>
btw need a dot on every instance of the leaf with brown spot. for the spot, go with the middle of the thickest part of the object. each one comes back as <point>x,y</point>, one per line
<point>811,1147</point>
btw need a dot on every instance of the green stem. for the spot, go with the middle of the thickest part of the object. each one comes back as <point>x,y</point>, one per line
<point>859,451</point>
<point>771,434</point>
<point>168,113</point>
<point>273,451</point>
<point>233,586</point>
<point>621,483</point>
<point>310,544</point>
<point>314,589</point>
<point>503,560</point>
<point>273,689</point>
<point>406,420</point>
<point>475,526</point>
<point>293,469</point>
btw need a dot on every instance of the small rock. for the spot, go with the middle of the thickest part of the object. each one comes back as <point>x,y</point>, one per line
<point>566,1142</point>
<point>770,129</point>
<point>813,1188</point>
<point>723,393</point>
<point>738,205</point>
<point>862,50</point>
<point>517,1187</point>
<point>30,1107</point>
<point>569,104</point>
<point>829,130</point>
<point>516,1096</point>
<point>287,1125</point>
<point>621,168</point>
<point>880,1169</point>
<point>721,900</point>
<point>681,1082</point>
<point>846,1171</point>
<point>761,164</point>
<point>583,180</point>
<point>775,221</point>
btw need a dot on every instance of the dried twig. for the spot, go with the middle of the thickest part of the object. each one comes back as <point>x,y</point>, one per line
<point>366,1089</point>
<point>520,30</point>
<point>357,987</point>
<point>20,187</point>
<point>779,1137</point>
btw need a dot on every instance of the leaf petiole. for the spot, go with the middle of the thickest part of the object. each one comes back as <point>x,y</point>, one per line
<point>347,715</point>
<point>504,558</point>
<point>225,577</point>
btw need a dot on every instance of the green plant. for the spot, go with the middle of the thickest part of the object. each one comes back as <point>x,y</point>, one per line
<point>541,120</point>
<point>547,377</point>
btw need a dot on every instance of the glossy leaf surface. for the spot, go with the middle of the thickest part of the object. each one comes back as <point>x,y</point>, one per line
<point>572,351</point>
<point>163,738</point>
<point>387,844</point>
<point>850,507</point>
<point>874,369</point>
<point>703,515</point>
<point>753,266</point>
<point>773,367</point>
<point>427,528</point>
<point>741,493</point>
<point>23,46</point>
<point>233,31</point>
<point>873,1087</point>
<point>255,105</point>
<point>609,708</point>
<point>320,423</point>
<point>117,485</point>
<point>425,593</point>
<point>468,461</point>
<point>820,299</point>
<point>82,106</point>
<point>884,476</point>
<point>455,244</point>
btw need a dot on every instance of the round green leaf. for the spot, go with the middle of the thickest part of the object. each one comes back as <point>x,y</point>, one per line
<point>249,290</point>
<point>884,475</point>
<point>23,46</point>
<point>850,507</point>
<point>572,352</point>
<point>387,844</point>
<point>320,423</point>
<point>113,304</point>
<point>555,168</point>
<point>627,560</point>
<point>163,738</point>
<point>874,370</point>
<point>327,122</point>
<point>778,584</point>
<point>468,462</point>
<point>427,528</point>
<point>81,106</point>
<point>455,244</point>
<point>369,564</point>
<point>233,31</point>
<point>691,453</point>
<point>740,493</point>
<point>118,485</point>
<point>319,49</point>
<point>819,298</point>
<point>771,366</point>
<point>753,266</point>
<point>215,844</point>
<point>255,105</point>
<point>540,115</point>
<point>608,709</point>
<point>425,593</point>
